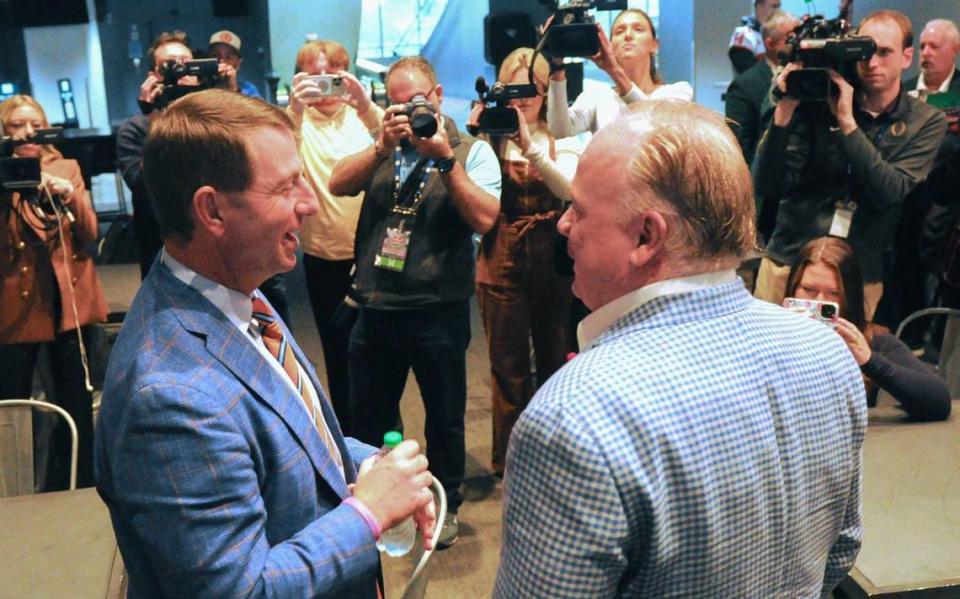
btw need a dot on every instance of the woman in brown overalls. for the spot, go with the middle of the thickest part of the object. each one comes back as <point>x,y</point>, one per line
<point>522,296</point>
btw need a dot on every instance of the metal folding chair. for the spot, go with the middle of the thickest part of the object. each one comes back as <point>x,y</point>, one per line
<point>16,445</point>
<point>948,363</point>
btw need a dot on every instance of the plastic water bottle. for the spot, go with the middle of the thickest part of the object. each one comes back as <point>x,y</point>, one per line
<point>398,540</point>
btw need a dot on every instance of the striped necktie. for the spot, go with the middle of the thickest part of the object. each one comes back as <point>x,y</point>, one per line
<point>276,343</point>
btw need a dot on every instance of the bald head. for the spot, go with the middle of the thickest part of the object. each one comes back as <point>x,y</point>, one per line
<point>939,46</point>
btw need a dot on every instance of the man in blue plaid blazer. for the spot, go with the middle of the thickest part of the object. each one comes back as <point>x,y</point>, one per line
<point>225,471</point>
<point>703,443</point>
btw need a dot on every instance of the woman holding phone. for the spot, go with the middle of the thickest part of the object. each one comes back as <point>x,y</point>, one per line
<point>827,270</point>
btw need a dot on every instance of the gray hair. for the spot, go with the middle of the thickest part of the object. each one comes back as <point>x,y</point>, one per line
<point>689,164</point>
<point>777,19</point>
<point>951,27</point>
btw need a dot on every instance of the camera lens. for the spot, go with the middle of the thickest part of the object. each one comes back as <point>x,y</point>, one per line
<point>423,124</point>
<point>828,311</point>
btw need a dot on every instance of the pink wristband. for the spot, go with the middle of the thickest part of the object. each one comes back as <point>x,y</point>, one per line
<point>366,514</point>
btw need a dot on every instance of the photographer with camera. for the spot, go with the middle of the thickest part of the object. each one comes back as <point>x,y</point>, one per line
<point>827,270</point>
<point>427,189</point>
<point>174,74</point>
<point>48,287</point>
<point>521,294</point>
<point>629,57</point>
<point>843,166</point>
<point>333,117</point>
<point>225,47</point>
<point>168,48</point>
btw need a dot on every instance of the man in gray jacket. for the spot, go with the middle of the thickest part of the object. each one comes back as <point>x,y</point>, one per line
<point>843,167</point>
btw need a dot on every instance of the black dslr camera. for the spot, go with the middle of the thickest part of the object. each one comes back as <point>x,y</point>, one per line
<point>500,119</point>
<point>423,119</point>
<point>206,70</point>
<point>822,44</point>
<point>573,32</point>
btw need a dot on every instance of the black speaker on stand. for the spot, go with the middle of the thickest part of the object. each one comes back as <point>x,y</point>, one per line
<point>230,8</point>
<point>504,32</point>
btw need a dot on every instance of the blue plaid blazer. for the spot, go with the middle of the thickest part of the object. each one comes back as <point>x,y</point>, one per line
<point>217,482</point>
<point>705,445</point>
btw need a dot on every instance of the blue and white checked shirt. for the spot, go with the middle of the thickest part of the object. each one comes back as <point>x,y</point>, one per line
<point>705,445</point>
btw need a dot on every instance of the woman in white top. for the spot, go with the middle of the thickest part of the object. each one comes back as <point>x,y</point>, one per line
<point>628,57</point>
<point>521,294</point>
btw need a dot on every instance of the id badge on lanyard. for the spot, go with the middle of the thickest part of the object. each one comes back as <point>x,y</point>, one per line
<point>843,212</point>
<point>395,244</point>
<point>842,219</point>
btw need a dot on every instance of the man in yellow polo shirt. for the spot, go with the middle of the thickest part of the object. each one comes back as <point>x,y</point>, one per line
<point>334,117</point>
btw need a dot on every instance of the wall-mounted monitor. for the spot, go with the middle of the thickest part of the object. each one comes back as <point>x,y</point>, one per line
<point>30,13</point>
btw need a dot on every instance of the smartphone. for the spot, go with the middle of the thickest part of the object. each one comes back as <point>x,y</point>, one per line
<point>826,312</point>
<point>329,85</point>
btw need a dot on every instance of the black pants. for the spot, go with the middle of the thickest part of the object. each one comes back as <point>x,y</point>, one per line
<point>327,285</point>
<point>17,363</point>
<point>384,345</point>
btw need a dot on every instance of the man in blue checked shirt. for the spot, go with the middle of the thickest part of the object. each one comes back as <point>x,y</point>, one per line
<point>703,443</point>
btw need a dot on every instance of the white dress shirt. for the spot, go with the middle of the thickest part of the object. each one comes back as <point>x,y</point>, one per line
<point>601,319</point>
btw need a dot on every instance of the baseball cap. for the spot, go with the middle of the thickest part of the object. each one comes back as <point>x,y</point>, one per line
<point>226,37</point>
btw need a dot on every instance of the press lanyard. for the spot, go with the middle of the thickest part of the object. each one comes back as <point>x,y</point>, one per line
<point>398,208</point>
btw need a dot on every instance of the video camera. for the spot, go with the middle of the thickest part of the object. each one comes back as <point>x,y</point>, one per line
<point>500,119</point>
<point>19,174</point>
<point>573,32</point>
<point>23,174</point>
<point>422,115</point>
<point>822,44</point>
<point>206,70</point>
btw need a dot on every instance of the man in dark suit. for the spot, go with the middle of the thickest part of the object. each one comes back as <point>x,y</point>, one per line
<point>939,46</point>
<point>911,282</point>
<point>745,102</point>
<point>217,451</point>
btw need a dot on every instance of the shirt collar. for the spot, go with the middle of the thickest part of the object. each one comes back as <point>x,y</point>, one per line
<point>236,306</point>
<point>600,320</point>
<point>338,115</point>
<point>944,87</point>
<point>896,110</point>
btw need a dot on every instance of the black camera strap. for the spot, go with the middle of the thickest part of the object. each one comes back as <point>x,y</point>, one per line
<point>417,179</point>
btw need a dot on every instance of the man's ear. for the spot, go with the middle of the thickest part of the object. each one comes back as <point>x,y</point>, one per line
<point>907,58</point>
<point>439,90</point>
<point>208,204</point>
<point>650,230</point>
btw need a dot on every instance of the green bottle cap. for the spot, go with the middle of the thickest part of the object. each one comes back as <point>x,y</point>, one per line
<point>392,438</point>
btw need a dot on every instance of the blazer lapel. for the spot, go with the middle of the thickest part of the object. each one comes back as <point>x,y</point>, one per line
<point>329,416</point>
<point>229,347</point>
